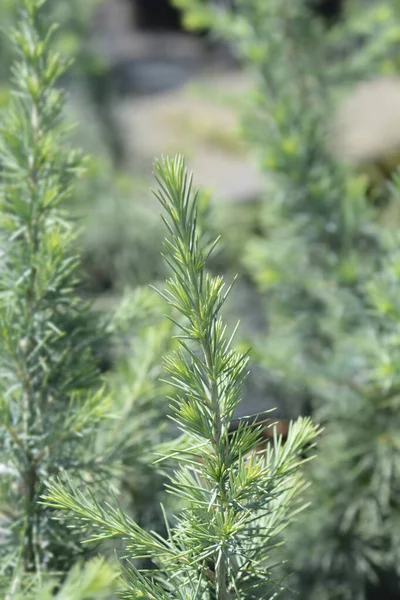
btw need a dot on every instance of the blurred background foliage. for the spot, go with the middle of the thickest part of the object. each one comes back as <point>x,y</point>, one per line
<point>316,249</point>
<point>113,207</point>
<point>323,252</point>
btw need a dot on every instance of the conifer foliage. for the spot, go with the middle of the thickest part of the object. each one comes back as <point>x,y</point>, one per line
<point>317,231</point>
<point>221,543</point>
<point>51,401</point>
<point>351,535</point>
<point>330,271</point>
<point>94,580</point>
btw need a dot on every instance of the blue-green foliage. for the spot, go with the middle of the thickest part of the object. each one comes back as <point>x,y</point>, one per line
<point>328,268</point>
<point>222,541</point>
<point>52,401</point>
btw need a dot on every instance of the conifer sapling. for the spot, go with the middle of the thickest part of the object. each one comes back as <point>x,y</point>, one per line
<point>221,544</point>
<point>51,398</point>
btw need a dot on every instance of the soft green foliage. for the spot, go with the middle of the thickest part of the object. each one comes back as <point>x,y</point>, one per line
<point>352,533</point>
<point>74,17</point>
<point>7,17</point>
<point>315,227</point>
<point>91,74</point>
<point>330,278</point>
<point>118,215</point>
<point>52,402</point>
<point>142,337</point>
<point>94,581</point>
<point>122,236</point>
<point>221,544</point>
<point>74,37</point>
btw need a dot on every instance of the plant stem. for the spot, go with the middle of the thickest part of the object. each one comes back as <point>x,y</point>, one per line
<point>221,574</point>
<point>221,567</point>
<point>29,551</point>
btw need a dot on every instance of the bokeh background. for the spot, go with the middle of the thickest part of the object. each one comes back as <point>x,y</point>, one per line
<point>142,85</point>
<point>154,77</point>
<point>288,112</point>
